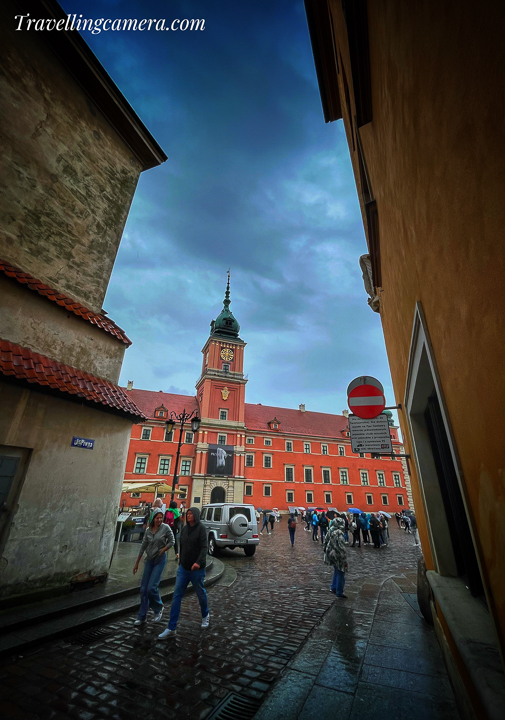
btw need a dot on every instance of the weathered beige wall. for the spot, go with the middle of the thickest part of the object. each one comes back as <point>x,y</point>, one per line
<point>66,178</point>
<point>66,518</point>
<point>30,320</point>
<point>434,151</point>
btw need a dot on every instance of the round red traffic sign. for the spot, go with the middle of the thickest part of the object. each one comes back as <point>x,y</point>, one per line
<point>365,400</point>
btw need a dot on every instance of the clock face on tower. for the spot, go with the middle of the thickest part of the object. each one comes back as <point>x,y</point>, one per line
<point>227,354</point>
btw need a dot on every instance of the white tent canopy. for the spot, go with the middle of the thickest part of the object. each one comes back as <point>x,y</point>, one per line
<point>151,486</point>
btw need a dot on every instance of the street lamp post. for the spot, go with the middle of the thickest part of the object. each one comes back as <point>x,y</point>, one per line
<point>182,418</point>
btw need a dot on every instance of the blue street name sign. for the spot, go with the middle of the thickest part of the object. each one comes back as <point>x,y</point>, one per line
<point>83,443</point>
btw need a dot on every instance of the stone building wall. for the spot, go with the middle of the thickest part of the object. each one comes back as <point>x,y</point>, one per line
<point>66,177</point>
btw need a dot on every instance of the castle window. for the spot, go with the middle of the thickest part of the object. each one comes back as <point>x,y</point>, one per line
<point>140,464</point>
<point>185,467</point>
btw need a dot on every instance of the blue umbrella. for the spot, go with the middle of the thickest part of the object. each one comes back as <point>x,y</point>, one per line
<point>355,510</point>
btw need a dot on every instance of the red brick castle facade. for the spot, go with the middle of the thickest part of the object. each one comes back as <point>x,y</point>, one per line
<point>269,456</point>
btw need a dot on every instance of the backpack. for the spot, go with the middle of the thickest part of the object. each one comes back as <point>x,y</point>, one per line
<point>292,523</point>
<point>169,519</point>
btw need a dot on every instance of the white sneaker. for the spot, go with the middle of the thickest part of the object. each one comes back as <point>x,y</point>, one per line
<point>157,616</point>
<point>167,634</point>
<point>206,621</point>
<point>139,622</point>
<point>261,533</point>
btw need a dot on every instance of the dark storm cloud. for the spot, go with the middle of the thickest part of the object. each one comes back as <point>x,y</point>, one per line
<point>255,181</point>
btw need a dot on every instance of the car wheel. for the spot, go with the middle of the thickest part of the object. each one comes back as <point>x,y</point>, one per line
<point>212,550</point>
<point>250,550</point>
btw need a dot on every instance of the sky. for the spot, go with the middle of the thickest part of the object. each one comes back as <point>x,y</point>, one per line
<point>255,182</point>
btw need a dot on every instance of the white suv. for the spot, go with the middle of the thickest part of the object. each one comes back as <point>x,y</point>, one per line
<point>230,525</point>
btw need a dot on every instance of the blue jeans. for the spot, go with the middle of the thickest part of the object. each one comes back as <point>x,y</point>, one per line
<point>149,594</point>
<point>265,524</point>
<point>292,535</point>
<point>182,580</point>
<point>338,582</point>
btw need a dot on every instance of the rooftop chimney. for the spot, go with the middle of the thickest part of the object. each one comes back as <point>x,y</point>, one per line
<point>129,386</point>
<point>302,408</point>
<point>345,413</point>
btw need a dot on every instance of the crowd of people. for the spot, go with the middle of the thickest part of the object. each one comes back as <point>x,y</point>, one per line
<point>165,528</point>
<point>334,530</point>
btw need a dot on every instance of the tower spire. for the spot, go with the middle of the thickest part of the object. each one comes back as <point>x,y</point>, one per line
<point>225,324</point>
<point>227,301</point>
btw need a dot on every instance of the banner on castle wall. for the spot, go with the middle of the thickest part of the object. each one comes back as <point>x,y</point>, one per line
<point>220,460</point>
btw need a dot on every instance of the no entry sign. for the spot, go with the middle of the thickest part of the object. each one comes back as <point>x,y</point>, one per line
<point>365,397</point>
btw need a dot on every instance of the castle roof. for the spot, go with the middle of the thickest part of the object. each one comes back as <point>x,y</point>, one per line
<point>296,422</point>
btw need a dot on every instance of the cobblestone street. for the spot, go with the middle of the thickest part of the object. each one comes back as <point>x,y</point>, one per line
<point>259,624</point>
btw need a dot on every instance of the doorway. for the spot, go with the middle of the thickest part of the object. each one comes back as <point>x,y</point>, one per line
<point>441,480</point>
<point>218,495</point>
<point>13,463</point>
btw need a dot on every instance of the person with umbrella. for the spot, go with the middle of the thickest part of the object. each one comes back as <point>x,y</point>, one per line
<point>266,514</point>
<point>335,555</point>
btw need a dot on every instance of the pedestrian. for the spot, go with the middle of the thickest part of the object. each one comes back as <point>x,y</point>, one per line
<point>413,528</point>
<point>271,519</point>
<point>173,520</point>
<point>157,540</point>
<point>374,530</point>
<point>334,554</point>
<point>149,509</point>
<point>192,562</point>
<point>292,528</point>
<point>323,524</point>
<point>265,523</point>
<point>398,517</point>
<point>308,518</point>
<point>385,529</point>
<point>406,520</point>
<point>363,521</point>
<point>355,530</point>
<point>315,525</point>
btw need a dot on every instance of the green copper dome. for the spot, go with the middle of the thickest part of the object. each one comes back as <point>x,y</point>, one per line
<point>225,324</point>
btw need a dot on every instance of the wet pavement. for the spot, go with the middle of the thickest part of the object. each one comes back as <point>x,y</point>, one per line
<point>277,636</point>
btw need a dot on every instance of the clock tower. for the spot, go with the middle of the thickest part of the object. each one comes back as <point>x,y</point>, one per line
<point>220,392</point>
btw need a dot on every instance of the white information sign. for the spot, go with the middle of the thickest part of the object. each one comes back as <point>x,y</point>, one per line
<point>370,436</point>
<point>123,516</point>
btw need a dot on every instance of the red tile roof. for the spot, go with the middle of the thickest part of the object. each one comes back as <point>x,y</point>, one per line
<point>257,417</point>
<point>30,367</point>
<point>149,400</point>
<point>102,322</point>
<point>313,424</point>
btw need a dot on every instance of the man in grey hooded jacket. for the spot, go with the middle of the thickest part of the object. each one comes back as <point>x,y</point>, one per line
<point>192,562</point>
